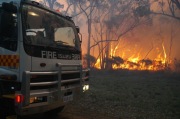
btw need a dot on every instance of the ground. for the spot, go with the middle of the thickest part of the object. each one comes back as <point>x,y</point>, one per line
<point>126,94</point>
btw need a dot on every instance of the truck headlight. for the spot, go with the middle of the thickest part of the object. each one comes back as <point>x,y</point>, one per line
<point>85,88</point>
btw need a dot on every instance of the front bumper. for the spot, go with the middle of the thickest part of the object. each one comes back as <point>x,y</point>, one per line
<point>66,87</point>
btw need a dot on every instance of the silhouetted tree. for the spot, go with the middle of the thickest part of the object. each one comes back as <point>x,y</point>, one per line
<point>173,11</point>
<point>113,19</point>
<point>53,4</point>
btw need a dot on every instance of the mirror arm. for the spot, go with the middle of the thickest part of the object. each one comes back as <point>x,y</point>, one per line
<point>80,37</point>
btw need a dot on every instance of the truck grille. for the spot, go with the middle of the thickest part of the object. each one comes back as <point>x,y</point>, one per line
<point>37,82</point>
<point>70,75</point>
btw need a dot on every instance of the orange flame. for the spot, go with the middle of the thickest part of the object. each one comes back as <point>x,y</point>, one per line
<point>97,64</point>
<point>135,62</point>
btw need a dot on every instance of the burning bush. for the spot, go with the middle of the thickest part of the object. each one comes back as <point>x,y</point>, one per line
<point>116,62</point>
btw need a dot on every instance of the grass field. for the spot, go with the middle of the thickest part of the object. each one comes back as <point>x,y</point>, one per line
<point>123,94</point>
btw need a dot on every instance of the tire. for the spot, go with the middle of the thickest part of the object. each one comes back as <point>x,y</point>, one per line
<point>2,114</point>
<point>1,90</point>
<point>6,105</point>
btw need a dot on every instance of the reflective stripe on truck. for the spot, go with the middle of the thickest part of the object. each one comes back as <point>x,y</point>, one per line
<point>9,60</point>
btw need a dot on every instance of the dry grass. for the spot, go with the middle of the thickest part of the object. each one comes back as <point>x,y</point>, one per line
<point>126,94</point>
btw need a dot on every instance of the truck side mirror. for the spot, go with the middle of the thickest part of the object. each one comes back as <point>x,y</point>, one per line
<point>7,20</point>
<point>77,29</point>
<point>9,7</point>
<point>7,23</point>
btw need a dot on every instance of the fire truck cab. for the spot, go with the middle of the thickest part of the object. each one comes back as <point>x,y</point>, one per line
<point>40,59</point>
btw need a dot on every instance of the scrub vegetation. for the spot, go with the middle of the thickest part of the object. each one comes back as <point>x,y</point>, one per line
<point>124,94</point>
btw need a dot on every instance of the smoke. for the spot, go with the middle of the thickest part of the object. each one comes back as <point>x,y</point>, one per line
<point>146,40</point>
<point>162,31</point>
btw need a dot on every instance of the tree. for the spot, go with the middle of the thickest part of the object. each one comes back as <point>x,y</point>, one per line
<point>173,11</point>
<point>90,4</point>
<point>113,20</point>
<point>53,4</point>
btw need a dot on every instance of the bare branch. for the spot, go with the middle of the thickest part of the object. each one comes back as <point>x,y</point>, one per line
<point>171,7</point>
<point>162,6</point>
<point>164,14</point>
<point>81,12</point>
<point>68,8</point>
<point>177,3</point>
<point>149,51</point>
<point>101,42</point>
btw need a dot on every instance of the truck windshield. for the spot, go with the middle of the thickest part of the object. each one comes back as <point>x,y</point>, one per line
<point>43,28</point>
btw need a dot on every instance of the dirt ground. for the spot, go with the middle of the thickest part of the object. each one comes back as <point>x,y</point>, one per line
<point>126,94</point>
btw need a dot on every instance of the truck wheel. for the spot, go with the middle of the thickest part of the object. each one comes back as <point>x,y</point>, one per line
<point>6,105</point>
<point>1,90</point>
<point>2,115</point>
